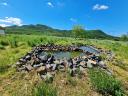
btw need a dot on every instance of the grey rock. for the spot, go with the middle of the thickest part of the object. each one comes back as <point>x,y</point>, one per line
<point>20,69</point>
<point>61,68</point>
<point>54,67</point>
<point>102,64</point>
<point>36,66</point>
<point>43,58</point>
<point>73,72</point>
<point>43,77</point>
<point>29,67</point>
<point>81,68</point>
<point>22,60</point>
<point>28,57</point>
<point>89,64</point>
<point>18,63</point>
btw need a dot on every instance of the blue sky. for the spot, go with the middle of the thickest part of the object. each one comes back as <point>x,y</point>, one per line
<point>111,16</point>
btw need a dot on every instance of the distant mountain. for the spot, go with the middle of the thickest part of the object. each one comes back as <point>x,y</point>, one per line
<point>46,30</point>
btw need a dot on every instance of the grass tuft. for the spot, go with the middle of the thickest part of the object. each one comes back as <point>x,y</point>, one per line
<point>71,80</point>
<point>44,89</point>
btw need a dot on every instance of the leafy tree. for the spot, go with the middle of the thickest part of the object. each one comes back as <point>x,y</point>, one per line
<point>78,31</point>
<point>124,37</point>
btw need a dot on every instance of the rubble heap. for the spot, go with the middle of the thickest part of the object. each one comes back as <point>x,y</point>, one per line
<point>47,65</point>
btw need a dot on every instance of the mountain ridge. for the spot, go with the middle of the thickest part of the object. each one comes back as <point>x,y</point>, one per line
<point>46,30</point>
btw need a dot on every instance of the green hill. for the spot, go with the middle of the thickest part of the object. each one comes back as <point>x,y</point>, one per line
<point>46,30</point>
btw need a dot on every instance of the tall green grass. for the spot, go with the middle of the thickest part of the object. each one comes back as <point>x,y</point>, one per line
<point>44,89</point>
<point>105,84</point>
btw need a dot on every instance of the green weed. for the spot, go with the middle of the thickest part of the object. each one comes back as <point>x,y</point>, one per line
<point>44,89</point>
<point>104,83</point>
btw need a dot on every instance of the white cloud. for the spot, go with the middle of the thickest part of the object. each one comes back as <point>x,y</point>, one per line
<point>4,25</point>
<point>11,21</point>
<point>4,4</point>
<point>50,4</point>
<point>73,20</point>
<point>100,7</point>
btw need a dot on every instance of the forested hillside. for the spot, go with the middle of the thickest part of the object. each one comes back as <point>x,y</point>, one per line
<point>46,30</point>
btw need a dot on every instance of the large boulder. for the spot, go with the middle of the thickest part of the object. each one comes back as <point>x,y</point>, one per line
<point>51,59</point>
<point>38,65</point>
<point>102,64</point>
<point>43,58</point>
<point>28,57</point>
<point>48,67</point>
<point>54,67</point>
<point>89,64</point>
<point>41,70</point>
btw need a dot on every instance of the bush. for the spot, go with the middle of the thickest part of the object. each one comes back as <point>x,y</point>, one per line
<point>124,37</point>
<point>105,84</point>
<point>78,31</point>
<point>4,42</point>
<point>45,89</point>
<point>2,47</point>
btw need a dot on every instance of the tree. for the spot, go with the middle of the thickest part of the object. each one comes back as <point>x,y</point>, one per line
<point>124,37</point>
<point>78,31</point>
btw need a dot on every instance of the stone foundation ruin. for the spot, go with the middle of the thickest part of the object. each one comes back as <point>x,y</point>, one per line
<point>47,65</point>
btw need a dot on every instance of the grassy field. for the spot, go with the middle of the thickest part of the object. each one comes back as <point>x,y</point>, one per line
<point>13,83</point>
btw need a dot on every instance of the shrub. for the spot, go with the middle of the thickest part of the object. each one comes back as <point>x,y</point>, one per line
<point>45,89</point>
<point>105,84</point>
<point>4,42</point>
<point>1,47</point>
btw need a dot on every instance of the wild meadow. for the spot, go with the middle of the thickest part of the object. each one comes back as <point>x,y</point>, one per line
<point>13,83</point>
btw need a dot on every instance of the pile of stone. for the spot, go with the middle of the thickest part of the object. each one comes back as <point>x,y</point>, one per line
<point>47,65</point>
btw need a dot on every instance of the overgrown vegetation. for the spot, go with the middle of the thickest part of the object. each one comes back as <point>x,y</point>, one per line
<point>104,83</point>
<point>44,89</point>
<point>12,47</point>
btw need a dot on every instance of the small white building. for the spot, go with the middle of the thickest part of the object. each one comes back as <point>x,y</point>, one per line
<point>2,31</point>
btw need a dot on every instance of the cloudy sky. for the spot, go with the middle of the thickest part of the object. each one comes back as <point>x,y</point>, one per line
<point>111,16</point>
